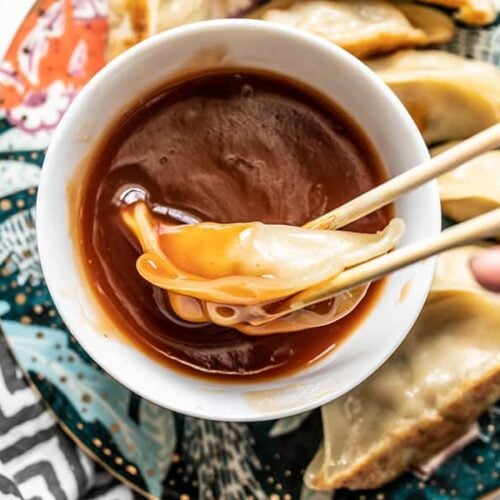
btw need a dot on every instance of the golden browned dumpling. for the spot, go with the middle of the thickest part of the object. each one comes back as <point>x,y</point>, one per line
<point>448,96</point>
<point>471,12</point>
<point>363,27</point>
<point>438,27</point>
<point>471,189</point>
<point>427,395</point>
<point>131,21</point>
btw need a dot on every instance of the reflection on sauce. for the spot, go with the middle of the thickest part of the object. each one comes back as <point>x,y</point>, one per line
<point>224,147</point>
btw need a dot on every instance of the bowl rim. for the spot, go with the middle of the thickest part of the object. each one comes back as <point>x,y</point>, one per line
<point>49,170</point>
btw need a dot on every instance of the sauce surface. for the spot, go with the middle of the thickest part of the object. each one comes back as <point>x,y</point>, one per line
<point>224,147</point>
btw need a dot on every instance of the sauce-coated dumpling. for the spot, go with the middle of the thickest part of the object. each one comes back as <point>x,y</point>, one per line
<point>232,267</point>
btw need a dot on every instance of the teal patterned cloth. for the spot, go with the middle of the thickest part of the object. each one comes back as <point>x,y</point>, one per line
<point>151,449</point>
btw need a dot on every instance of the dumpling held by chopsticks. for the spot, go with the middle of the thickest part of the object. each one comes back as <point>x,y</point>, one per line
<point>234,274</point>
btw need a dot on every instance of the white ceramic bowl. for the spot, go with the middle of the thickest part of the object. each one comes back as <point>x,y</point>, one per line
<point>251,44</point>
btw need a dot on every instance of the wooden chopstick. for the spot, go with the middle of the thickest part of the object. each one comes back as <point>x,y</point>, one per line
<point>481,227</point>
<point>397,186</point>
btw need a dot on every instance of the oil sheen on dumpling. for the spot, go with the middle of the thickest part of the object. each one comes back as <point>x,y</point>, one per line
<point>471,189</point>
<point>471,12</point>
<point>363,27</point>
<point>448,96</point>
<point>244,267</point>
<point>445,374</point>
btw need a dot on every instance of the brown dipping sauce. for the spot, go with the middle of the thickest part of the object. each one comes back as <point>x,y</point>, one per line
<point>230,146</point>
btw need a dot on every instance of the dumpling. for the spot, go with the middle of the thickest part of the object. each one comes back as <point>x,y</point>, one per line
<point>471,12</point>
<point>244,267</point>
<point>243,318</point>
<point>133,21</point>
<point>448,96</point>
<point>471,189</point>
<point>438,27</point>
<point>247,263</point>
<point>427,395</point>
<point>363,27</point>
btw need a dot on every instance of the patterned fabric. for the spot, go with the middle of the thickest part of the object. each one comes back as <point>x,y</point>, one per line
<point>37,459</point>
<point>58,48</point>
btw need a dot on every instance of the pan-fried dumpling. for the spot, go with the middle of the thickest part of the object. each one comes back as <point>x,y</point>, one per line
<point>438,27</point>
<point>427,395</point>
<point>471,12</point>
<point>448,96</point>
<point>471,189</point>
<point>363,27</point>
<point>131,21</point>
<point>244,267</point>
